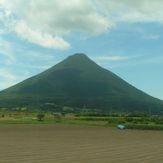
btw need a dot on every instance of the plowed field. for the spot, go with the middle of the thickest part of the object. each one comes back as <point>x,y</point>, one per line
<point>78,144</point>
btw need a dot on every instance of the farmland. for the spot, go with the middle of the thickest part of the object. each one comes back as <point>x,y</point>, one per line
<point>142,122</point>
<point>61,143</point>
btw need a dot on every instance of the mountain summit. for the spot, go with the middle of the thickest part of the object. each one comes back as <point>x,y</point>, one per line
<point>78,81</point>
<point>77,61</point>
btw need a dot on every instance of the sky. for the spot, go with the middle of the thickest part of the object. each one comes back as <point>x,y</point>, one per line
<point>123,36</point>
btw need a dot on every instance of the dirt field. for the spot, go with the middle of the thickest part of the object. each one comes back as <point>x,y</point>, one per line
<point>78,144</point>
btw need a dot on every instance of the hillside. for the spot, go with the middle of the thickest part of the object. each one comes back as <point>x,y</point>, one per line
<point>79,82</point>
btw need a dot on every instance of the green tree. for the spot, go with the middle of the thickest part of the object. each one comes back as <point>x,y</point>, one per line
<point>40,116</point>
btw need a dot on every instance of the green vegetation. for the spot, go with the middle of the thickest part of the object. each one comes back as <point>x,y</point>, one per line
<point>40,116</point>
<point>57,117</point>
<point>131,122</point>
<point>144,126</point>
<point>79,83</point>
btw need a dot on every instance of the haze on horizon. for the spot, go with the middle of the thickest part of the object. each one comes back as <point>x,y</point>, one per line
<point>125,37</point>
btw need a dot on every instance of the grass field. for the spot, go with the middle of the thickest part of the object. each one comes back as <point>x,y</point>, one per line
<point>60,143</point>
<point>142,123</point>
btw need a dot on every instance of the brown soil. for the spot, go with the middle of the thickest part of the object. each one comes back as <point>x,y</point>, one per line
<point>78,144</point>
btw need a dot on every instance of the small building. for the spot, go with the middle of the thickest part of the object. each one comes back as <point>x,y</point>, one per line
<point>121,126</point>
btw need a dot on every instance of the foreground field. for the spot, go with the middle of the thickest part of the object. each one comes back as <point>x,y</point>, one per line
<point>78,144</point>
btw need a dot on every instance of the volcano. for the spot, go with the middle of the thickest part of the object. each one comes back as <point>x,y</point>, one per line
<point>79,82</point>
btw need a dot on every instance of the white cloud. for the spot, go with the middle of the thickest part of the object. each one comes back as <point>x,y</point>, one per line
<point>151,37</point>
<point>39,38</point>
<point>133,10</point>
<point>5,84</point>
<point>111,58</point>
<point>46,22</point>
<point>6,51</point>
<point>9,78</point>
<point>7,75</point>
<point>60,17</point>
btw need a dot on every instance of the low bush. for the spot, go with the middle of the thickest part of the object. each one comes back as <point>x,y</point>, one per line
<point>40,116</point>
<point>144,126</point>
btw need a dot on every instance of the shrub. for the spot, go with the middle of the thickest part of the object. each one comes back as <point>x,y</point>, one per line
<point>40,116</point>
<point>144,127</point>
<point>57,117</point>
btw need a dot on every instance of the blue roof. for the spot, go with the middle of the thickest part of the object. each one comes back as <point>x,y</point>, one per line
<point>120,126</point>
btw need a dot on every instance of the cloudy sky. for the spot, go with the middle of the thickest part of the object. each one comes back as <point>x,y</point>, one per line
<point>124,36</point>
